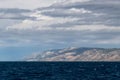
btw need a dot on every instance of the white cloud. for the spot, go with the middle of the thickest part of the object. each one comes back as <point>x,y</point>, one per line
<point>82,10</point>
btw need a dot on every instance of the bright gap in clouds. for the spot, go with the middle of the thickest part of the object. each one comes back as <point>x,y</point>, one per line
<point>25,4</point>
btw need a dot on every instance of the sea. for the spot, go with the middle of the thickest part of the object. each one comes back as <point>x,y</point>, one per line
<point>59,70</point>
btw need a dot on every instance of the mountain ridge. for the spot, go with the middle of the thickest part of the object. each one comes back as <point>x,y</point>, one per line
<point>77,54</point>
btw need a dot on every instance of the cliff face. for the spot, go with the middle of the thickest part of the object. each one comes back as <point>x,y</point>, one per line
<point>77,54</point>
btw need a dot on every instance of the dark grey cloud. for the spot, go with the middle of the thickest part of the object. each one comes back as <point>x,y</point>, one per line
<point>14,10</point>
<point>15,13</point>
<point>104,12</point>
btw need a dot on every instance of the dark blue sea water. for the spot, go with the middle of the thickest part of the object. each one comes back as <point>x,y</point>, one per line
<point>59,70</point>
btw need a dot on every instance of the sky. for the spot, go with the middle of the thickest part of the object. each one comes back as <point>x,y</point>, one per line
<point>30,26</point>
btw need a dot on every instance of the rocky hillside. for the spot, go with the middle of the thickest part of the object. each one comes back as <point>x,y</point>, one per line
<point>77,54</point>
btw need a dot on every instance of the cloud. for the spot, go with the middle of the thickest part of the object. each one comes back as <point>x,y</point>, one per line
<point>66,23</point>
<point>77,36</point>
<point>91,12</point>
<point>15,13</point>
<point>25,4</point>
<point>14,10</point>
